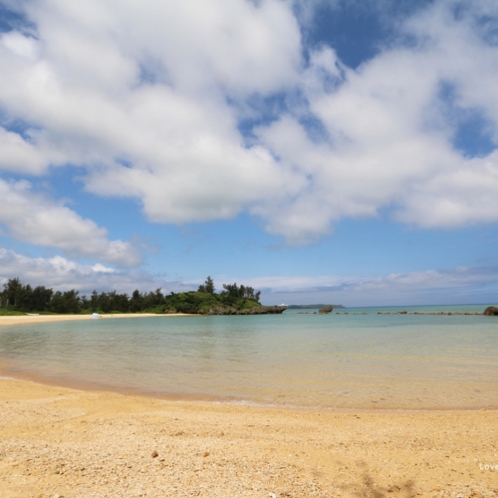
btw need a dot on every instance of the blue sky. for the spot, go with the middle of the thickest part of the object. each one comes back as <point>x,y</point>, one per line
<point>320,151</point>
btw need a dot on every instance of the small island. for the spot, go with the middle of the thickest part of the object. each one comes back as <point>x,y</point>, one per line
<point>232,300</point>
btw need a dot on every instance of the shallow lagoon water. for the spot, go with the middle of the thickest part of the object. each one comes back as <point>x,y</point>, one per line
<point>329,361</point>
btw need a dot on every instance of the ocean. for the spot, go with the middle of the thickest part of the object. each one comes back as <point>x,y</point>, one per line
<point>361,359</point>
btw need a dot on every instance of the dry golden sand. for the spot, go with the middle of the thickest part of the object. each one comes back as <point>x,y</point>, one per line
<point>57,441</point>
<point>21,319</point>
<point>62,442</point>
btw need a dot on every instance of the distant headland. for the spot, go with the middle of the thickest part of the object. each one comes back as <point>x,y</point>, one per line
<point>312,306</point>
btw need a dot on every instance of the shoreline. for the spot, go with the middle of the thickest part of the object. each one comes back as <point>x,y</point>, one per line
<point>22,319</point>
<point>59,441</point>
<point>11,371</point>
<point>8,372</point>
<point>75,442</point>
<point>91,387</point>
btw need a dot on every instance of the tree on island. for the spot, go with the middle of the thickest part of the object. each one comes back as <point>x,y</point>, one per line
<point>232,300</point>
<point>207,287</point>
<point>241,292</point>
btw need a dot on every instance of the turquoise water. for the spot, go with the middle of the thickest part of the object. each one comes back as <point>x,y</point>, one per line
<point>334,361</point>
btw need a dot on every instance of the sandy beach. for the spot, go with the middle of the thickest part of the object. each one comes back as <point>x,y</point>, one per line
<point>20,319</point>
<point>68,443</point>
<point>63,442</point>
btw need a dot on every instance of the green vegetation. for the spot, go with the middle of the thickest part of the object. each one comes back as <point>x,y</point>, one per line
<point>4,312</point>
<point>206,301</point>
<point>17,298</point>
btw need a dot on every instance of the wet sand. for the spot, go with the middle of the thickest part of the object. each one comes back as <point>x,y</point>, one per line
<point>63,442</point>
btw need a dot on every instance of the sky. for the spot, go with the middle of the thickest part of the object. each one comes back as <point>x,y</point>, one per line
<point>321,151</point>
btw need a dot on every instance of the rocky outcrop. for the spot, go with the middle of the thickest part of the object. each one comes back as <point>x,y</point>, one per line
<point>260,310</point>
<point>169,311</point>
<point>325,310</point>
<point>491,311</point>
<point>264,310</point>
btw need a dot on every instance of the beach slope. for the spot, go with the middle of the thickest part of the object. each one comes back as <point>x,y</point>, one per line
<point>57,441</point>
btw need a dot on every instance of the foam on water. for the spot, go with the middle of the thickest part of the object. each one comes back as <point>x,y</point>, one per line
<point>333,361</point>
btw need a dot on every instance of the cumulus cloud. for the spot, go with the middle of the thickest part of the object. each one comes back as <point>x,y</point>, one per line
<point>29,154</point>
<point>32,218</point>
<point>150,98</point>
<point>389,142</point>
<point>62,274</point>
<point>126,84</point>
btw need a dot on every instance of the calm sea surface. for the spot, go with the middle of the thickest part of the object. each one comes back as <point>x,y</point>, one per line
<point>334,361</point>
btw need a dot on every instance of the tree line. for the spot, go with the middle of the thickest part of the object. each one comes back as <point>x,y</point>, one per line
<point>231,291</point>
<point>16,296</point>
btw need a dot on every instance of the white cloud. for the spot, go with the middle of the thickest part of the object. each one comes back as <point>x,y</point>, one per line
<point>62,274</point>
<point>31,155</point>
<point>32,218</point>
<point>467,195</point>
<point>24,46</point>
<point>239,45</point>
<point>464,285</point>
<point>149,96</point>
<point>390,145</point>
<point>423,280</point>
<point>178,132</point>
